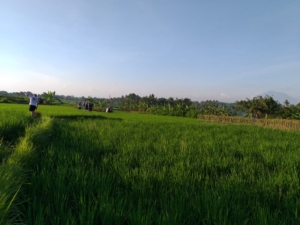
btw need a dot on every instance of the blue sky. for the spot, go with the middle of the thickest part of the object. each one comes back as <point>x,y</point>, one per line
<point>217,50</point>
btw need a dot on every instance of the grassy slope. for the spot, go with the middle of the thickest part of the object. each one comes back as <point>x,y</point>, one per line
<point>124,168</point>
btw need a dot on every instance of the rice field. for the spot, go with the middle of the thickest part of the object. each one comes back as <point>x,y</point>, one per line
<point>74,167</point>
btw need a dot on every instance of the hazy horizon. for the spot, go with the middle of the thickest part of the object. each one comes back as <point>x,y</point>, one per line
<point>277,96</point>
<point>202,50</point>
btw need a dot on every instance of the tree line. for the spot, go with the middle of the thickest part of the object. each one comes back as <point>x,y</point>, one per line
<point>257,107</point>
<point>265,107</point>
<point>184,107</point>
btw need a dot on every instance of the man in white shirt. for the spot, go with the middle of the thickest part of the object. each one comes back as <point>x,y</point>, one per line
<point>33,103</point>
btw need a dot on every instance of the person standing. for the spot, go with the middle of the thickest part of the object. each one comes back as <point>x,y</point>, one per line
<point>79,105</point>
<point>33,103</point>
<point>91,106</point>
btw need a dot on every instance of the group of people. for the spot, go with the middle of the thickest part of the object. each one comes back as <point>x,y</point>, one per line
<point>33,104</point>
<point>86,105</point>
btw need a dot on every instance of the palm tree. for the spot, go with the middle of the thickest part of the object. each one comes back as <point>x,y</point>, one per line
<point>252,106</point>
<point>90,99</point>
<point>48,96</point>
<point>286,103</point>
<point>270,106</point>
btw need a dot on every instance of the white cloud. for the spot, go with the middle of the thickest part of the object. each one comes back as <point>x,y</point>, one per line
<point>224,95</point>
<point>43,77</point>
<point>66,85</point>
<point>195,95</point>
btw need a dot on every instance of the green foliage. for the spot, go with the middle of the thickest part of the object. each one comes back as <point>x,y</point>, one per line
<point>48,97</point>
<point>150,104</point>
<point>13,99</point>
<point>260,106</point>
<point>296,116</point>
<point>90,99</point>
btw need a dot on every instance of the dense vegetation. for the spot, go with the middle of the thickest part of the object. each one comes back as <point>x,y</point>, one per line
<point>70,166</point>
<point>266,106</point>
<point>258,107</point>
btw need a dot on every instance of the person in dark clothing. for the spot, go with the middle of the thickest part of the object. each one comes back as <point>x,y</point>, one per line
<point>91,106</point>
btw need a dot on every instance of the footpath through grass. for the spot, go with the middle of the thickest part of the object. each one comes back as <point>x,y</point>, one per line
<point>16,169</point>
<point>123,168</point>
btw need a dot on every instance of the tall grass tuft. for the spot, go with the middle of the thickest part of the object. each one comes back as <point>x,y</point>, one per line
<point>11,181</point>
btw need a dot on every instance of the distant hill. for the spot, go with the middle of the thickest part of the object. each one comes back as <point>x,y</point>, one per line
<point>281,97</point>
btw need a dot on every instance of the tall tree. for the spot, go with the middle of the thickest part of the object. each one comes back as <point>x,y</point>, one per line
<point>286,103</point>
<point>260,106</point>
<point>269,106</point>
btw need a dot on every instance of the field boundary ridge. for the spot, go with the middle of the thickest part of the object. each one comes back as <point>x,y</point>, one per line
<point>280,124</point>
<point>15,170</point>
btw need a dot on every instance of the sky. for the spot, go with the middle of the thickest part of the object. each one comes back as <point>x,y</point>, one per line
<point>225,50</point>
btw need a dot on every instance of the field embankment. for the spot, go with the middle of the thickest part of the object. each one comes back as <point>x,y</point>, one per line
<point>281,124</point>
<point>19,162</point>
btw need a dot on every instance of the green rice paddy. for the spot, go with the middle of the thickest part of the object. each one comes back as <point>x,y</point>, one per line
<point>69,166</point>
